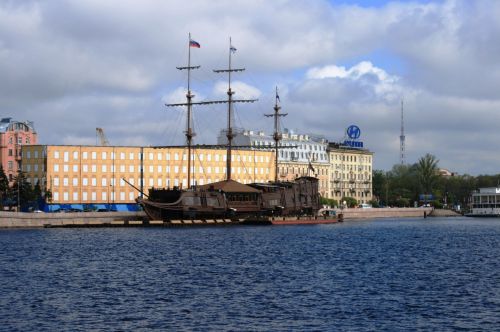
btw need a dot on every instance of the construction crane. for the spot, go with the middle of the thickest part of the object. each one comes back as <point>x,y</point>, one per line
<point>100,137</point>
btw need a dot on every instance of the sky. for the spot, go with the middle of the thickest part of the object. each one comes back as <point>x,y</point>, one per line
<point>71,66</point>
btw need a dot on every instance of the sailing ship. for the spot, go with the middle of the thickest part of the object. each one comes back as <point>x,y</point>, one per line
<point>229,198</point>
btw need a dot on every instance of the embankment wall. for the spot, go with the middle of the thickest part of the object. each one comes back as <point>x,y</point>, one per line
<point>29,220</point>
<point>358,213</point>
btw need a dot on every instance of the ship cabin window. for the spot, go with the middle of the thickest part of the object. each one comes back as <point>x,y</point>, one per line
<point>241,197</point>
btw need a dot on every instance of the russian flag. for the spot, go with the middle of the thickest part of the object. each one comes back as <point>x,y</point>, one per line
<point>193,43</point>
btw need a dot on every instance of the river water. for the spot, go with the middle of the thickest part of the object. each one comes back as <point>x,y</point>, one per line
<point>409,274</point>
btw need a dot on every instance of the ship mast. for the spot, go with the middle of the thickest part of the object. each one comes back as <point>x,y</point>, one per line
<point>229,134</point>
<point>277,134</point>
<point>189,103</point>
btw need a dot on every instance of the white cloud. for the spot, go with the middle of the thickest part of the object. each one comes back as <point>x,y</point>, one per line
<point>82,64</point>
<point>241,90</point>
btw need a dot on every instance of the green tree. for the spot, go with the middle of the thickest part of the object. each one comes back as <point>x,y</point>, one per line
<point>350,201</point>
<point>427,173</point>
<point>328,201</point>
<point>4,186</point>
<point>23,190</point>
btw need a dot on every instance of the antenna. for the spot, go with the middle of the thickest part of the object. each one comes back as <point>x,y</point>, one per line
<point>402,137</point>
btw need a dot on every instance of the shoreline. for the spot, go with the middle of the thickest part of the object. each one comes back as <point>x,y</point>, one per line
<point>135,219</point>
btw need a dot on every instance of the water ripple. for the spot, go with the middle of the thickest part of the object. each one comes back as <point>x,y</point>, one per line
<point>384,275</point>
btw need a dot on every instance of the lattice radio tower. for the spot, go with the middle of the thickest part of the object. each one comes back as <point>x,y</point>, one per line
<point>402,138</point>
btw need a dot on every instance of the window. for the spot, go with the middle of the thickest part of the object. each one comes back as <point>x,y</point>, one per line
<point>85,155</point>
<point>104,168</point>
<point>159,168</point>
<point>131,196</point>
<point>66,156</point>
<point>159,155</point>
<point>75,182</point>
<point>65,168</point>
<point>94,155</point>
<point>35,168</point>
<point>122,196</point>
<point>122,155</point>
<point>159,182</point>
<point>10,152</point>
<point>131,168</point>
<point>75,155</point>
<point>167,156</point>
<point>36,154</point>
<point>56,181</point>
<point>104,196</point>
<point>85,168</point>
<point>56,168</point>
<point>104,182</point>
<point>176,169</point>
<point>56,154</point>
<point>131,156</point>
<point>94,168</point>
<point>65,182</point>
<point>167,169</point>
<point>151,182</point>
<point>75,196</point>
<point>104,155</point>
<point>94,182</point>
<point>55,195</point>
<point>10,140</point>
<point>122,168</point>
<point>85,196</point>
<point>176,156</point>
<point>75,168</point>
<point>93,196</point>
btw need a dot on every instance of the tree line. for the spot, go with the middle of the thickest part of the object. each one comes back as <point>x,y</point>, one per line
<point>407,185</point>
<point>21,193</point>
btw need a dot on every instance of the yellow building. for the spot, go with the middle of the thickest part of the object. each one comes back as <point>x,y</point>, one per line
<point>93,175</point>
<point>350,173</point>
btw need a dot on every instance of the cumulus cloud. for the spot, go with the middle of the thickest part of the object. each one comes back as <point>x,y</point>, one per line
<point>86,64</point>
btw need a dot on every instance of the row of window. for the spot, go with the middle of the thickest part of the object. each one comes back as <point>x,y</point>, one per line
<point>354,159</point>
<point>19,140</point>
<point>93,196</point>
<point>337,193</point>
<point>305,147</point>
<point>159,156</point>
<point>151,169</point>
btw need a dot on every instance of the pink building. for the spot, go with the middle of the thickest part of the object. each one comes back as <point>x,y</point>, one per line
<point>13,135</point>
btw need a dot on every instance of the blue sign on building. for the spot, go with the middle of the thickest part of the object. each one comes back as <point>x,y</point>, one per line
<point>353,132</point>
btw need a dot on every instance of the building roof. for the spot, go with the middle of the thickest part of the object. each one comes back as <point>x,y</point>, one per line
<point>230,186</point>
<point>8,123</point>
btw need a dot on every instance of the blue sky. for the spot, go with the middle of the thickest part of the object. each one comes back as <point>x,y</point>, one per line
<point>72,66</point>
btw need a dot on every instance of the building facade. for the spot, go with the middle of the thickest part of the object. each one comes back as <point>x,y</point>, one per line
<point>95,175</point>
<point>13,136</point>
<point>350,173</point>
<point>298,155</point>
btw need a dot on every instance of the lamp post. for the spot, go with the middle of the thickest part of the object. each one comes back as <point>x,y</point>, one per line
<point>109,207</point>
<point>18,194</point>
